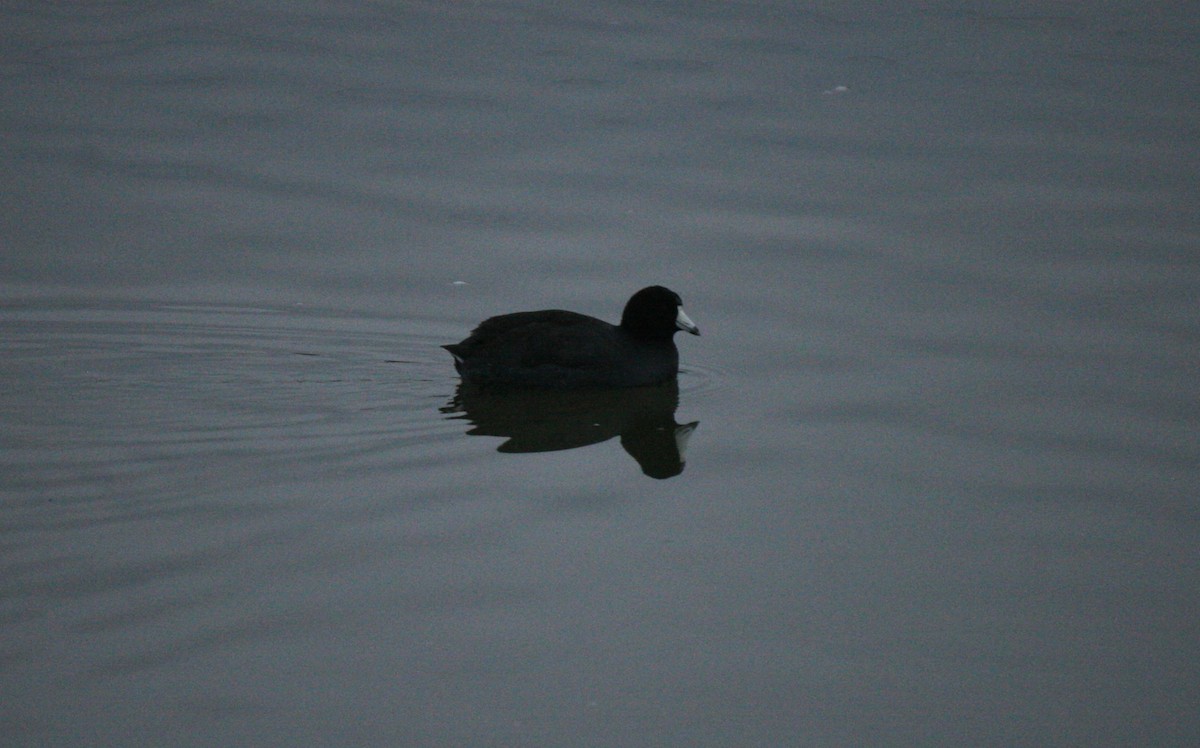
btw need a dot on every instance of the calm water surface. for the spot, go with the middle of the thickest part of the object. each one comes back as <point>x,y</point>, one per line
<point>939,483</point>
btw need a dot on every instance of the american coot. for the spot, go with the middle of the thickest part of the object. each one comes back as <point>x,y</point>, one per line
<point>558,349</point>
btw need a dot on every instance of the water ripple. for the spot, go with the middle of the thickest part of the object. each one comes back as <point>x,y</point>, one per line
<point>120,401</point>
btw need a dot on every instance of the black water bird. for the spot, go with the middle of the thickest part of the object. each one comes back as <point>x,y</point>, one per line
<point>556,349</point>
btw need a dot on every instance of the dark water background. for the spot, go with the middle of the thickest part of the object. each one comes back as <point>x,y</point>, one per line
<point>942,489</point>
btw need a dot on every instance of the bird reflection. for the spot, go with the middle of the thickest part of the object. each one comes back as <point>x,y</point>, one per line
<point>548,420</point>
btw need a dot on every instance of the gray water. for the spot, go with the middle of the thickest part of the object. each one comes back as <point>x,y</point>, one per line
<point>940,484</point>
